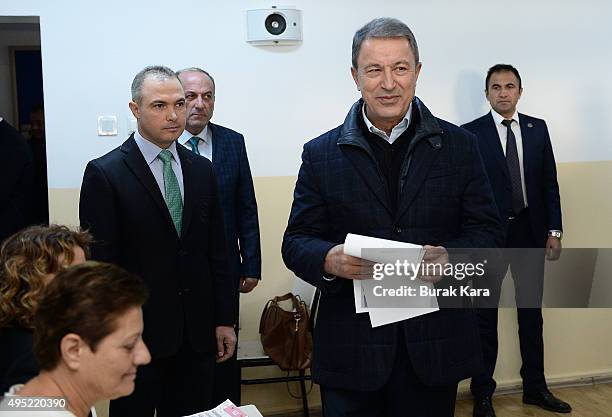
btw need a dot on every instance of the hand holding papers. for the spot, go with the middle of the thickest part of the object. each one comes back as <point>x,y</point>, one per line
<point>387,307</point>
<point>434,255</point>
<point>342,264</point>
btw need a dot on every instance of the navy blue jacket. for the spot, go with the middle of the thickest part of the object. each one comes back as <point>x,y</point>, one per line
<point>191,290</point>
<point>444,199</point>
<point>237,199</point>
<point>539,168</point>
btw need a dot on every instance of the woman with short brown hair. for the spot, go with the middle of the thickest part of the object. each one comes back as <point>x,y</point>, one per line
<point>87,338</point>
<point>29,259</point>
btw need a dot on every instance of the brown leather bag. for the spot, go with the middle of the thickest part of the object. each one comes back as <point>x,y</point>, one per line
<point>285,335</point>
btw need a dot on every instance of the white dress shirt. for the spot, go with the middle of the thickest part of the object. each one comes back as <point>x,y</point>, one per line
<point>397,130</point>
<point>204,145</point>
<point>150,151</point>
<point>502,131</point>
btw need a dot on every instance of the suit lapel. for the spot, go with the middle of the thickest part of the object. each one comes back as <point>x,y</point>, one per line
<point>217,144</point>
<point>494,145</point>
<point>137,164</point>
<point>219,151</point>
<point>367,168</point>
<point>527,141</point>
<point>189,185</point>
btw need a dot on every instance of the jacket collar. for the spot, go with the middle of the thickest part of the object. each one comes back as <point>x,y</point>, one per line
<point>427,127</point>
<point>136,162</point>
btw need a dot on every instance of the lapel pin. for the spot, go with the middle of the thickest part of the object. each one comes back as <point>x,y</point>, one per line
<point>529,125</point>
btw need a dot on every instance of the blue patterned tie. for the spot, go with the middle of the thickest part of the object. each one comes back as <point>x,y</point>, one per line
<point>512,160</point>
<point>194,141</point>
<point>172,191</point>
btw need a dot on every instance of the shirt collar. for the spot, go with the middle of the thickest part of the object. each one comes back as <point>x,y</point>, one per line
<point>203,135</point>
<point>402,125</point>
<point>498,118</point>
<point>150,151</point>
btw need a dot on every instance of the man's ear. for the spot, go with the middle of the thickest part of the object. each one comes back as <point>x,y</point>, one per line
<point>417,69</point>
<point>355,78</point>
<point>135,109</point>
<point>71,350</point>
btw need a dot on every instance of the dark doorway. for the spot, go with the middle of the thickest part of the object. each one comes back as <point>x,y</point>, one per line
<point>20,45</point>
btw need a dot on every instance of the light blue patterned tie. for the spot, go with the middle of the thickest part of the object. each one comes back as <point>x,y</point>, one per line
<point>172,191</point>
<point>194,141</point>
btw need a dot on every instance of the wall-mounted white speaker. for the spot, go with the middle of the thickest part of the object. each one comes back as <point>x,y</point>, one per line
<point>274,26</point>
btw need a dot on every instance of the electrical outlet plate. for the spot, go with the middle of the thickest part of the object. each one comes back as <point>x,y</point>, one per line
<point>107,125</point>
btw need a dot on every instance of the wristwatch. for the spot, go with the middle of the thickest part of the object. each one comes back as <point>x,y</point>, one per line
<point>556,233</point>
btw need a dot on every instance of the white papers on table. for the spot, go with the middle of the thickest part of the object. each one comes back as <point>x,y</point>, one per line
<point>250,410</point>
<point>228,409</point>
<point>385,251</point>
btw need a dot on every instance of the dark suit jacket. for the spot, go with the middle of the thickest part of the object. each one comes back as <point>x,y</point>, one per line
<point>539,167</point>
<point>191,288</point>
<point>237,199</point>
<point>16,179</point>
<point>445,199</point>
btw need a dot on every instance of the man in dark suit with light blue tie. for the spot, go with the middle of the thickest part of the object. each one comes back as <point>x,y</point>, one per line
<point>519,160</point>
<point>153,208</point>
<point>227,151</point>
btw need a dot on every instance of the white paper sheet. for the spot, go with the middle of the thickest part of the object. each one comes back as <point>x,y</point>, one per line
<point>250,410</point>
<point>361,304</point>
<point>353,246</point>
<point>382,316</point>
<point>228,409</point>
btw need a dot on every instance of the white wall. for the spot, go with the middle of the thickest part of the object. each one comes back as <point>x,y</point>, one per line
<point>19,34</point>
<point>281,97</point>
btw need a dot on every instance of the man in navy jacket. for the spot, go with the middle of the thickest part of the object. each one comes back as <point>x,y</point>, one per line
<point>227,151</point>
<point>520,164</point>
<point>392,170</point>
